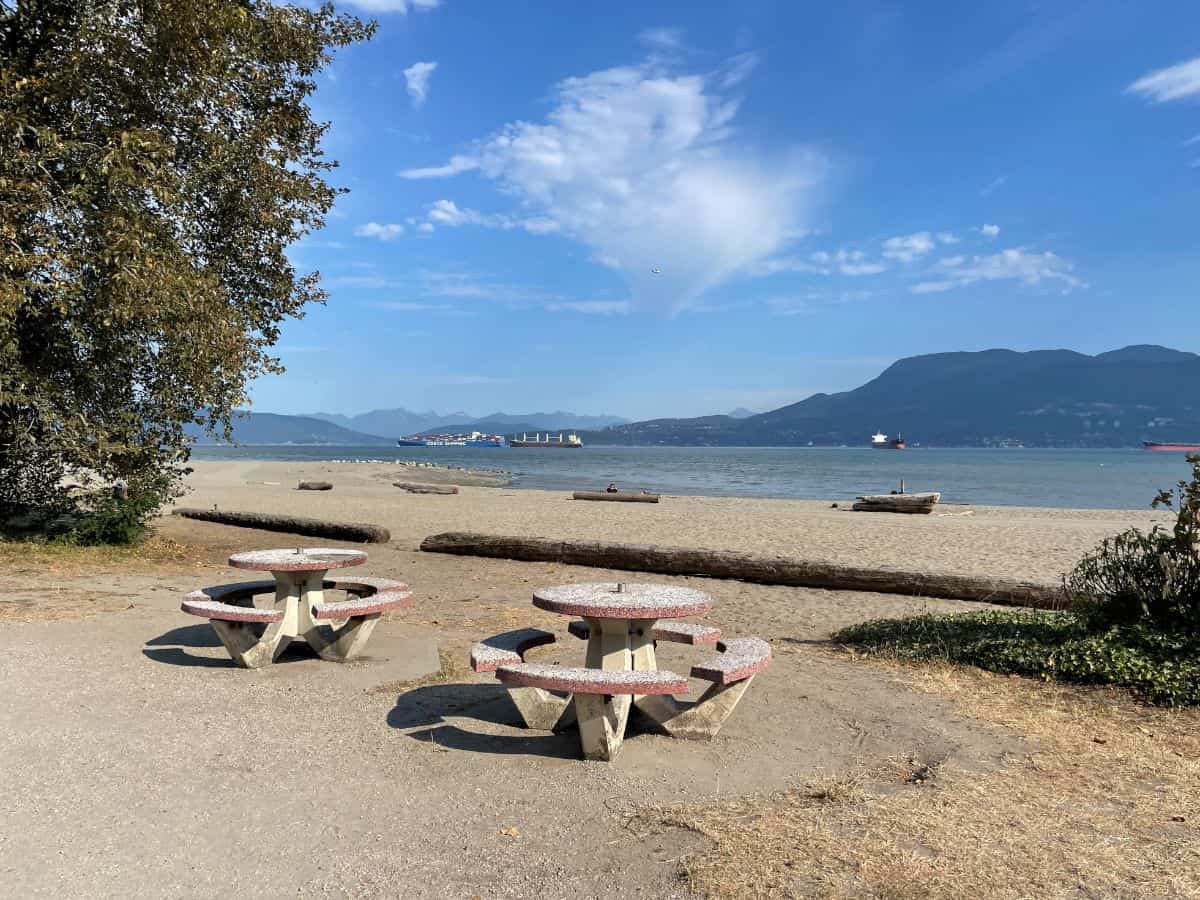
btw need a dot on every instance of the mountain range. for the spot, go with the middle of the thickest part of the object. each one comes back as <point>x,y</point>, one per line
<point>1047,398</point>
<point>400,422</point>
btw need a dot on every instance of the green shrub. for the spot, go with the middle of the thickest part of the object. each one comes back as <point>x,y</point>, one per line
<point>1149,579</point>
<point>1162,667</point>
<point>109,520</point>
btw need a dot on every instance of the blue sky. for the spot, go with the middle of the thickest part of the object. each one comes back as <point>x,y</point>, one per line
<point>681,208</point>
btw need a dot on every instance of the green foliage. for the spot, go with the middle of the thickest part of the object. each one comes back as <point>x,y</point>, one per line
<point>1135,619</point>
<point>1149,579</point>
<point>157,157</point>
<point>109,520</point>
<point>1163,667</point>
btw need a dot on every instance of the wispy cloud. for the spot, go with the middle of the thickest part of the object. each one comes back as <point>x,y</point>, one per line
<point>639,165</point>
<point>820,262</point>
<point>908,247</point>
<point>1172,83</point>
<point>457,165</point>
<point>416,78</point>
<point>994,185</point>
<point>989,230</point>
<point>372,282</point>
<point>1016,264</point>
<point>661,38</point>
<point>380,231</point>
<point>447,212</point>
<point>592,307</point>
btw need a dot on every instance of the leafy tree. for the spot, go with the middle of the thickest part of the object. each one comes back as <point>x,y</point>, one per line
<point>156,159</point>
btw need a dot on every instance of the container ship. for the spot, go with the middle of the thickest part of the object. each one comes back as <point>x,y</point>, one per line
<point>881,441</point>
<point>1177,448</point>
<point>551,442</point>
<point>474,439</point>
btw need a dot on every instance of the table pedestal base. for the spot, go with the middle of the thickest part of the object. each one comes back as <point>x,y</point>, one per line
<point>252,646</point>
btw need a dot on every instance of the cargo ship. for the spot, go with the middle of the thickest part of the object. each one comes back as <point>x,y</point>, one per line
<point>474,439</point>
<point>551,442</point>
<point>1177,448</point>
<point>881,441</point>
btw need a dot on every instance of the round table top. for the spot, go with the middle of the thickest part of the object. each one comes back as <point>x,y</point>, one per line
<point>303,559</point>
<point>602,600</point>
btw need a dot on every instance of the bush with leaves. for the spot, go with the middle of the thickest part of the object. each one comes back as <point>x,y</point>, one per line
<point>1135,619</point>
<point>1151,579</point>
<point>156,160</point>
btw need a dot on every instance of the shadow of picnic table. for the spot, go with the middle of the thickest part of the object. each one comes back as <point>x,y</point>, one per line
<point>422,714</point>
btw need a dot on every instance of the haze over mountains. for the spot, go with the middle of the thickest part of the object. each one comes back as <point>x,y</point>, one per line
<point>1048,398</point>
<point>400,422</point>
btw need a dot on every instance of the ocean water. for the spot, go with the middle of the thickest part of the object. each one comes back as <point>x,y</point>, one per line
<point>1098,479</point>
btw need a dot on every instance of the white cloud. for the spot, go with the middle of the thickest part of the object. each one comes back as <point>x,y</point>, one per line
<point>945,237</point>
<point>951,261</point>
<point>908,247</point>
<point>639,166</point>
<point>388,232</point>
<point>820,262</point>
<point>425,228</point>
<point>661,38</point>
<point>593,307</point>
<point>989,230</point>
<point>397,6</point>
<point>416,77</point>
<point>1190,141</point>
<point>1172,83</point>
<point>1015,264</point>
<point>449,213</point>
<point>455,166</point>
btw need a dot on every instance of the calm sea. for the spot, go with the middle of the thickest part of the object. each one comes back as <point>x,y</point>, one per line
<point>1114,479</point>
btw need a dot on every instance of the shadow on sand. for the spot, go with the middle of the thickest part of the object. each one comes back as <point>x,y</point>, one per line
<point>426,708</point>
<point>171,648</point>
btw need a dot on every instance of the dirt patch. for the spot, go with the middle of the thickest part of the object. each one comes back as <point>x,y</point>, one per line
<point>52,605</point>
<point>1107,804</point>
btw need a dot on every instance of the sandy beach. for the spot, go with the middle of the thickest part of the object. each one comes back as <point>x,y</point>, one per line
<point>140,762</point>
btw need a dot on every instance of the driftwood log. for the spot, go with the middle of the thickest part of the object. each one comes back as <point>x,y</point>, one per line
<point>339,531</point>
<point>898,503</point>
<point>414,488</point>
<point>314,486</point>
<point>758,568</point>
<point>616,496</point>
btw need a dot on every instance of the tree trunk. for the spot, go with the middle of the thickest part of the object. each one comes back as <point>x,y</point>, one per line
<point>753,567</point>
<point>616,496</point>
<point>339,531</point>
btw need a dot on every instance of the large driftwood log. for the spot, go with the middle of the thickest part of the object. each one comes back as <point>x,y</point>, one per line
<point>758,568</point>
<point>339,531</point>
<point>413,488</point>
<point>616,496</point>
<point>314,486</point>
<point>898,503</point>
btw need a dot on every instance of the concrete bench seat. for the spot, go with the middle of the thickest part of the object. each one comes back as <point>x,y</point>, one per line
<point>227,612</point>
<point>735,661</point>
<point>591,681</point>
<point>507,648</point>
<point>231,602</point>
<point>368,597</point>
<point>674,632</point>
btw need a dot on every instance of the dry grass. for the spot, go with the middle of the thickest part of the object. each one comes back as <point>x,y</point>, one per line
<point>1106,805</point>
<point>49,558</point>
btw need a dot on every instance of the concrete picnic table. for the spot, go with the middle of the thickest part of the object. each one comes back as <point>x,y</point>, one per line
<point>621,624</point>
<point>255,636</point>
